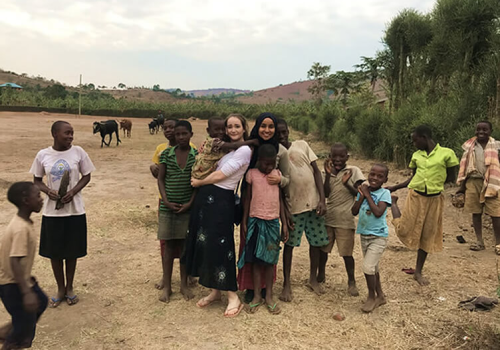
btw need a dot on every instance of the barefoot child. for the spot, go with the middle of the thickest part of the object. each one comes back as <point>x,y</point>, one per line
<point>421,224</point>
<point>22,297</point>
<point>208,154</point>
<point>263,208</point>
<point>479,180</point>
<point>307,208</point>
<point>174,183</point>
<point>371,205</point>
<point>341,187</point>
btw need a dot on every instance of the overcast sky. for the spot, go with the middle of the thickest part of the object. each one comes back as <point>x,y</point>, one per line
<point>191,44</point>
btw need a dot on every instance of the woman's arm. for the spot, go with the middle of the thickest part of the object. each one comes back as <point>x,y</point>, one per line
<point>53,194</point>
<point>79,186</point>
<point>213,178</point>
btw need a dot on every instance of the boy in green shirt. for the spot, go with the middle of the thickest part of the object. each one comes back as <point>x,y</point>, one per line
<point>421,224</point>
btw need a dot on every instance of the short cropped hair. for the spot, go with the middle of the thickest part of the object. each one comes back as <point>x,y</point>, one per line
<point>212,119</point>
<point>57,125</point>
<point>282,121</point>
<point>423,131</point>
<point>175,120</point>
<point>267,151</point>
<point>340,145</point>
<point>383,166</point>
<point>486,122</point>
<point>185,124</point>
<point>18,191</point>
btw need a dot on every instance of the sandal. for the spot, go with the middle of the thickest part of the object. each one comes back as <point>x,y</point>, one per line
<point>72,300</point>
<point>54,302</point>
<point>274,310</point>
<point>252,308</point>
<point>238,310</point>
<point>477,246</point>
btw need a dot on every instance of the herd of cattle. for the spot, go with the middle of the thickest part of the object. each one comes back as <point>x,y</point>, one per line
<point>110,127</point>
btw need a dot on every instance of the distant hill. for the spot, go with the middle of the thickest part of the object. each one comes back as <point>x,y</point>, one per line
<point>215,91</point>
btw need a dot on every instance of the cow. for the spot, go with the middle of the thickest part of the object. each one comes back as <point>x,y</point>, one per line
<point>153,127</point>
<point>126,125</point>
<point>107,127</point>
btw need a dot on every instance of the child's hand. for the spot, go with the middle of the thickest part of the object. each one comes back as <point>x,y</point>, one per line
<point>273,179</point>
<point>53,194</point>
<point>328,166</point>
<point>321,208</point>
<point>363,188</point>
<point>183,208</point>
<point>347,175</point>
<point>68,197</point>
<point>284,233</point>
<point>196,183</point>
<point>290,223</point>
<point>30,302</point>
<point>175,207</point>
<point>244,230</point>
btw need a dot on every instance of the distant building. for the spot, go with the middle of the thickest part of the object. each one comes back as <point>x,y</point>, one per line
<point>12,86</point>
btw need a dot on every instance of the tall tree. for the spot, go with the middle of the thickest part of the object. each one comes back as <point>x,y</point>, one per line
<point>319,74</point>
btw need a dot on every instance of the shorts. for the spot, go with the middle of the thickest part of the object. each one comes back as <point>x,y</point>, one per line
<point>344,238</point>
<point>421,223</point>
<point>373,247</point>
<point>491,206</point>
<point>172,225</point>
<point>314,227</point>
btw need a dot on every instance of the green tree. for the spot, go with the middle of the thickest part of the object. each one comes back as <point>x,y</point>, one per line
<point>370,69</point>
<point>122,86</point>
<point>156,87</point>
<point>56,91</point>
<point>319,74</point>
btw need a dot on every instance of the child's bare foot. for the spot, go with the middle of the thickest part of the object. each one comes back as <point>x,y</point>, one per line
<point>165,295</point>
<point>420,279</point>
<point>160,285</point>
<point>380,300</point>
<point>186,292</point>
<point>315,287</point>
<point>369,305</point>
<point>286,294</point>
<point>352,289</point>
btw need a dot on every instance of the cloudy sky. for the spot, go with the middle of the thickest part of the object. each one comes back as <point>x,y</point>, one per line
<point>190,44</point>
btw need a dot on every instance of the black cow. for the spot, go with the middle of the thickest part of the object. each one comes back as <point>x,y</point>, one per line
<point>153,126</point>
<point>107,128</point>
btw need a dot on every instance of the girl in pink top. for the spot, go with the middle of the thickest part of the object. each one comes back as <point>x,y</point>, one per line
<point>260,226</point>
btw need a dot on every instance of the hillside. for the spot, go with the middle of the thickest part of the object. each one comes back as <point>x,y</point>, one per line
<point>215,91</point>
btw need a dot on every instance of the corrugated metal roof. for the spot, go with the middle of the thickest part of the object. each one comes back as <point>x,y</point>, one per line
<point>13,85</point>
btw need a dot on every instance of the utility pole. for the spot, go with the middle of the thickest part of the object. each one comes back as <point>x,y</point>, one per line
<point>80,98</point>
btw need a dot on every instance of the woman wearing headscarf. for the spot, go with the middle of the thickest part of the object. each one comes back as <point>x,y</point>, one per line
<point>264,131</point>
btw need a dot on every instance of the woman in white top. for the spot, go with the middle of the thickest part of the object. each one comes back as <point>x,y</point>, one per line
<point>64,224</point>
<point>210,251</point>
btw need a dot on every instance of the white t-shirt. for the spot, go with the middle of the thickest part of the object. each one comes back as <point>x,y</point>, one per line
<point>233,165</point>
<point>53,164</point>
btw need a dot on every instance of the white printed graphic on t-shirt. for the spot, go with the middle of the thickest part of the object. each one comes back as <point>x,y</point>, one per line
<point>58,169</point>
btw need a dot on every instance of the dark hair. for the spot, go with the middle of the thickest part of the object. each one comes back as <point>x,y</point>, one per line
<point>383,166</point>
<point>339,145</point>
<point>267,151</point>
<point>57,125</point>
<point>212,119</point>
<point>423,131</point>
<point>185,124</point>
<point>171,120</point>
<point>18,191</point>
<point>282,121</point>
<point>486,122</point>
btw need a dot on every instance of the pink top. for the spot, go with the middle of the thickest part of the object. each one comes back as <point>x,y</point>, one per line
<point>265,203</point>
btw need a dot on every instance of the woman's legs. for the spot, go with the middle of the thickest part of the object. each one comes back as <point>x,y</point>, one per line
<point>58,270</point>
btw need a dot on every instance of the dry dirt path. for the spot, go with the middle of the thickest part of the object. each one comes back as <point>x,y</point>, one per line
<point>119,307</point>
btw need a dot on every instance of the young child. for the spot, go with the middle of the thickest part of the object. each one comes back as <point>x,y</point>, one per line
<point>22,297</point>
<point>209,154</point>
<point>174,183</point>
<point>263,207</point>
<point>341,187</point>
<point>421,225</point>
<point>479,180</point>
<point>371,205</point>
<point>307,208</point>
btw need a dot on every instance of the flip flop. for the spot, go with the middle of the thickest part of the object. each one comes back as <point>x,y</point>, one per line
<point>210,302</point>
<point>54,302</point>
<point>409,271</point>
<point>252,308</point>
<point>239,308</point>
<point>477,246</point>
<point>274,310</point>
<point>72,300</point>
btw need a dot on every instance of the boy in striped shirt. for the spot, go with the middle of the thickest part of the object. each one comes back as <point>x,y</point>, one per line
<point>177,195</point>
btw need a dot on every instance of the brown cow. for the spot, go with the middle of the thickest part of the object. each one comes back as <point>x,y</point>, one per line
<point>126,125</point>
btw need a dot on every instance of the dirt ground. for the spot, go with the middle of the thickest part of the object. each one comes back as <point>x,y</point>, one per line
<point>119,307</point>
